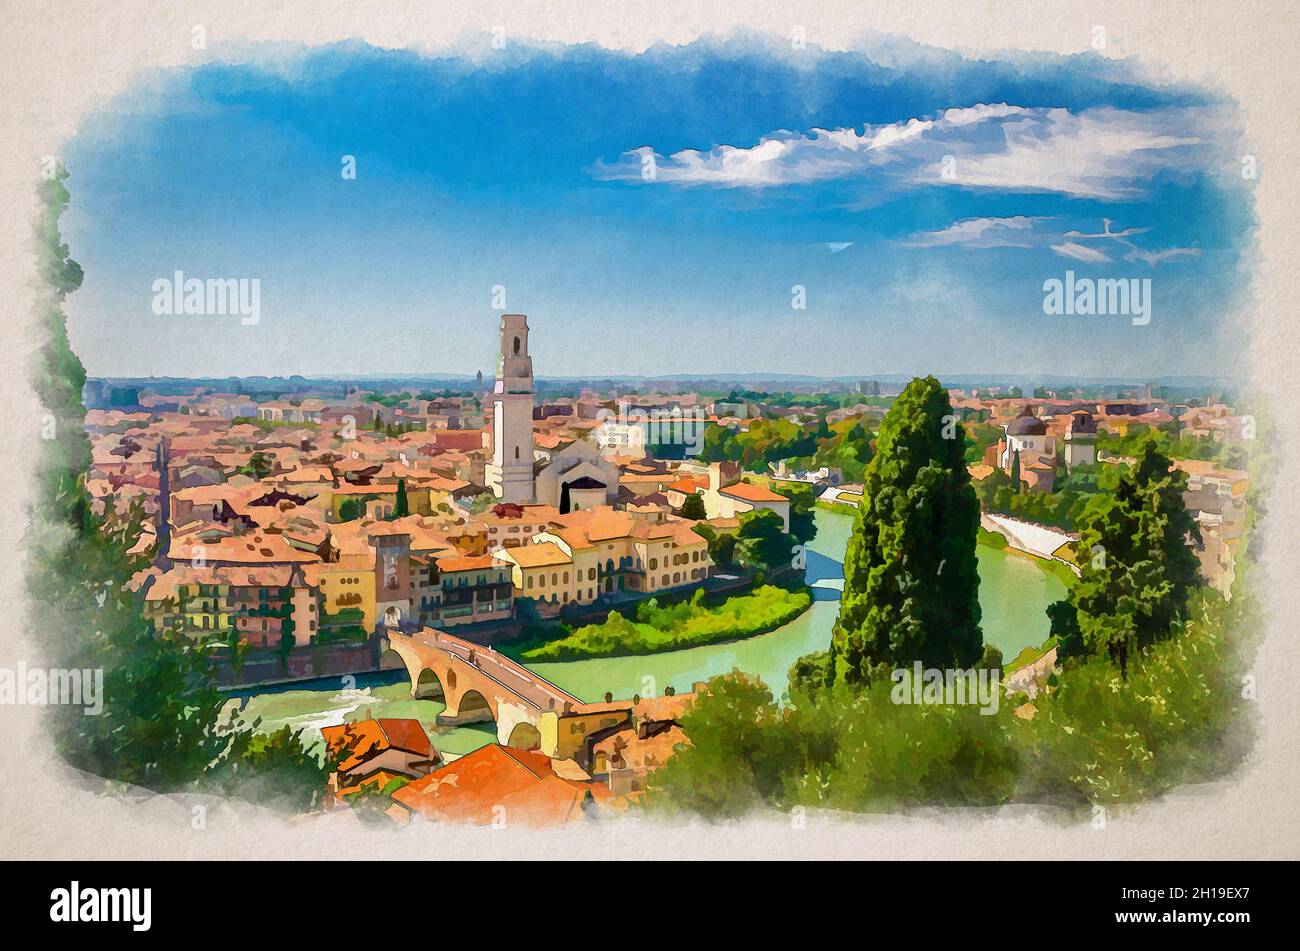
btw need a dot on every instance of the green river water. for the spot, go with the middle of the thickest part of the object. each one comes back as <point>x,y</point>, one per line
<point>1014,592</point>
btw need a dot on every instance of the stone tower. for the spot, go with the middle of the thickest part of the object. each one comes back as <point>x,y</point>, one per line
<point>392,578</point>
<point>510,474</point>
<point>1081,440</point>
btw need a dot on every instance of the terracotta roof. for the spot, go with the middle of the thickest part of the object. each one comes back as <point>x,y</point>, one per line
<point>354,743</point>
<point>537,555</point>
<point>469,563</point>
<point>752,493</point>
<point>497,781</point>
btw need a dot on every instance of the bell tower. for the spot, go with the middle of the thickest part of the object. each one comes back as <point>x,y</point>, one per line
<point>510,474</point>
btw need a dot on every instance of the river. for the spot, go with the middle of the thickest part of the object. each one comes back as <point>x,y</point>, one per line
<point>1014,591</point>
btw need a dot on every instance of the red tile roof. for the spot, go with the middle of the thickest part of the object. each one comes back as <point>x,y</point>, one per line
<point>497,782</point>
<point>354,743</point>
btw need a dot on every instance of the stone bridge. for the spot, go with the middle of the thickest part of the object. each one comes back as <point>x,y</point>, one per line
<point>478,684</point>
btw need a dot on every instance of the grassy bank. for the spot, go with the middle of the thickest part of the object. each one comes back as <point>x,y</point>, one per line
<point>673,627</point>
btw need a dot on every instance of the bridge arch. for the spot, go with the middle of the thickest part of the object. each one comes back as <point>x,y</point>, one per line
<point>525,736</point>
<point>429,686</point>
<point>469,707</point>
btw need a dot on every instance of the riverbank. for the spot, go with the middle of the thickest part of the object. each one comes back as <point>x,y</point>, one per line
<point>688,624</point>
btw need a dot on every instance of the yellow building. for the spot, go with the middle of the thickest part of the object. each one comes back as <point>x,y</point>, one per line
<point>542,571</point>
<point>600,551</point>
<point>347,589</point>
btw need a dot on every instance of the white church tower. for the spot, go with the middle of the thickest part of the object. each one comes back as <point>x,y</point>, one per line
<point>510,474</point>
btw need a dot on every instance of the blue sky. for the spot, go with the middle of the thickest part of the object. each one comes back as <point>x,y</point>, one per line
<point>922,219</point>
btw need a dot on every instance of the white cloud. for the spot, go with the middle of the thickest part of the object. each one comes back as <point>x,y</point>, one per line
<point>1026,232</point>
<point>1081,253</point>
<point>1100,153</point>
<point>1015,232</point>
<point>1152,258</point>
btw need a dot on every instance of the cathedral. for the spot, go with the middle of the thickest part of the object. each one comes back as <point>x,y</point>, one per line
<point>576,478</point>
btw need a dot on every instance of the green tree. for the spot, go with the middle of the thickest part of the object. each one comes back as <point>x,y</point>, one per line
<point>259,466</point>
<point>762,543</point>
<point>722,545</point>
<point>1015,470</point>
<point>273,769</point>
<point>157,724</point>
<point>911,585</point>
<point>401,507</point>
<point>693,507</point>
<point>803,503</point>
<point>1138,565</point>
<point>739,758</point>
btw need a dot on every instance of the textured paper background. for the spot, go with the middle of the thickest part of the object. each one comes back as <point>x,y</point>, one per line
<point>61,61</point>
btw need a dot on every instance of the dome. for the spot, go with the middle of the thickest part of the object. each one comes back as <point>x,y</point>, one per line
<point>1026,424</point>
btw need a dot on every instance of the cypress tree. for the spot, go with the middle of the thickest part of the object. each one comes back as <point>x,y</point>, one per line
<point>911,584</point>
<point>1138,565</point>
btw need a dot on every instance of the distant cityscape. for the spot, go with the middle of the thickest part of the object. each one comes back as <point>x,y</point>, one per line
<point>325,527</point>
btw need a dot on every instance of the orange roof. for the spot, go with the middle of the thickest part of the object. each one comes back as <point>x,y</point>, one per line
<point>688,485</point>
<point>252,549</point>
<point>379,488</point>
<point>354,743</point>
<point>752,493</point>
<point>538,555</point>
<point>469,563</point>
<point>520,786</point>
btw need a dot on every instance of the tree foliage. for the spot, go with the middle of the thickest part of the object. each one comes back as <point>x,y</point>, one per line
<point>693,507</point>
<point>803,505</point>
<point>911,588</point>
<point>1139,567</point>
<point>762,543</point>
<point>158,724</point>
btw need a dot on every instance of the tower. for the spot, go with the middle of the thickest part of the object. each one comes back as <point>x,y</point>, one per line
<point>510,474</point>
<point>1081,440</point>
<point>392,578</point>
